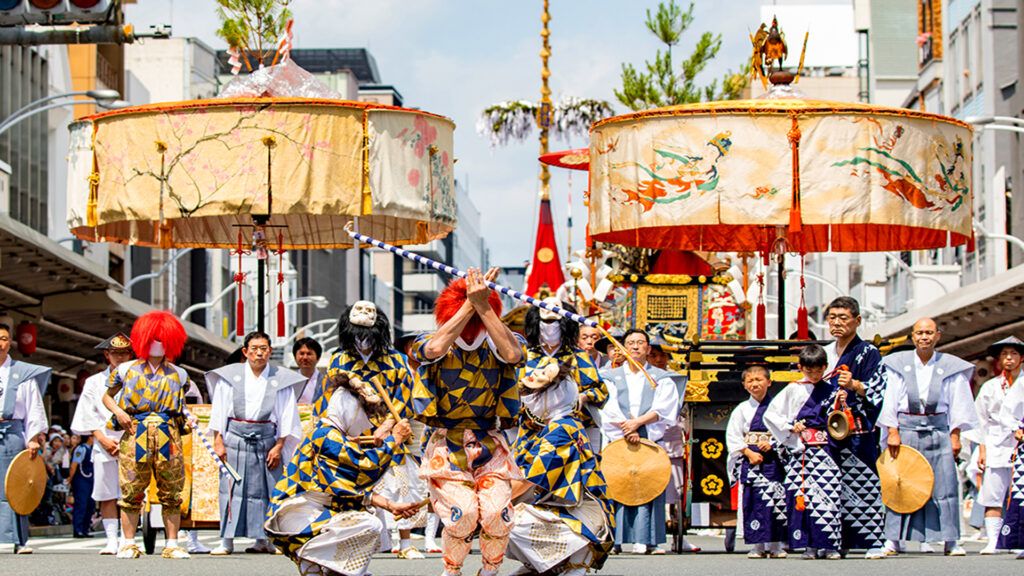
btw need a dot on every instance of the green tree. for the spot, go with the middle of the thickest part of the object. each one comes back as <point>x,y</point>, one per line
<point>660,84</point>
<point>253,27</point>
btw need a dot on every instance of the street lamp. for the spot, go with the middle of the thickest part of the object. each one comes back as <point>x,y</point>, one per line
<point>993,123</point>
<point>151,275</point>
<point>994,236</point>
<point>983,120</point>
<point>102,99</point>
<point>205,305</point>
<point>910,271</point>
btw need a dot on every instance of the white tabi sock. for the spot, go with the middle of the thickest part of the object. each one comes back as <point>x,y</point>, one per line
<point>431,530</point>
<point>406,543</point>
<point>759,547</point>
<point>228,544</point>
<point>171,544</point>
<point>992,528</point>
<point>488,572</point>
<point>110,529</point>
<point>193,537</point>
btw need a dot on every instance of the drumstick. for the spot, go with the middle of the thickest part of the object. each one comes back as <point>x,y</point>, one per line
<point>387,399</point>
<point>626,354</point>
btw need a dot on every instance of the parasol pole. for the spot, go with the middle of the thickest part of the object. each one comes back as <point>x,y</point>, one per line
<point>782,296</point>
<point>362,238</point>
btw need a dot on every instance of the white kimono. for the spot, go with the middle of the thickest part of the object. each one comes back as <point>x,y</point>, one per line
<point>92,415</point>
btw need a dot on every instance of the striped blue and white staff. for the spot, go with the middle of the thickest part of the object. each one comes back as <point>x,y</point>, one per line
<point>499,288</point>
<point>224,466</point>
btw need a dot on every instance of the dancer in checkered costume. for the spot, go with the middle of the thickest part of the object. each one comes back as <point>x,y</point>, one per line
<point>322,514</point>
<point>467,393</point>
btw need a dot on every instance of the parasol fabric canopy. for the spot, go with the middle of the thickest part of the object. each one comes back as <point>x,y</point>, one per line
<point>189,174</point>
<point>736,175</point>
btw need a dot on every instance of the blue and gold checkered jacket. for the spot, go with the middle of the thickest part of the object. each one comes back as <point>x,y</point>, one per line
<point>584,373</point>
<point>559,460</point>
<point>466,391</point>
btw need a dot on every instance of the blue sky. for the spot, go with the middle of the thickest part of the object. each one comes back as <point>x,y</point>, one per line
<point>455,57</point>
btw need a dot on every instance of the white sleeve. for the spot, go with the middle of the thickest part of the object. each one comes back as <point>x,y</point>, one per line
<point>1010,415</point>
<point>35,413</point>
<point>612,414</point>
<point>286,413</point>
<point>962,413</point>
<point>735,437</point>
<point>736,430</point>
<point>87,415</point>
<point>893,400</point>
<point>666,406</point>
<point>779,417</point>
<point>223,397</point>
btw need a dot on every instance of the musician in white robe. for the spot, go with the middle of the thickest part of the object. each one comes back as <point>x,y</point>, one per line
<point>22,426</point>
<point>92,418</point>
<point>928,403</point>
<point>995,448</point>
<point>635,410</point>
<point>255,422</point>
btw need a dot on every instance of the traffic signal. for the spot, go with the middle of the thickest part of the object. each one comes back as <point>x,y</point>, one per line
<point>12,12</point>
<point>20,12</point>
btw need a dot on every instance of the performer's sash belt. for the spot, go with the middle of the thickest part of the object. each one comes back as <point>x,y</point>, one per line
<point>923,423</point>
<point>10,427</point>
<point>755,438</point>
<point>162,422</point>
<point>814,437</point>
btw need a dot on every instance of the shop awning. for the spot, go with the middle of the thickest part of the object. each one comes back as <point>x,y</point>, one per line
<point>971,317</point>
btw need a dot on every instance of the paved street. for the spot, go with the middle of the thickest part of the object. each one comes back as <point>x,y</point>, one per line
<point>65,556</point>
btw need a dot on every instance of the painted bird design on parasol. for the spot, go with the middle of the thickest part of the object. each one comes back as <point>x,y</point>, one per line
<point>674,175</point>
<point>946,188</point>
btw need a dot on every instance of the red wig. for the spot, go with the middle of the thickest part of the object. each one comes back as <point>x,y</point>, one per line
<point>162,326</point>
<point>452,298</point>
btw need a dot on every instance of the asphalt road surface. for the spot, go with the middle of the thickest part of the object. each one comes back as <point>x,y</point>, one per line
<point>70,557</point>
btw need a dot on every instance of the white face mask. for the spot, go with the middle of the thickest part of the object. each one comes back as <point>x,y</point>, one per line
<point>469,347</point>
<point>551,333</point>
<point>546,314</point>
<point>156,349</point>
<point>364,313</point>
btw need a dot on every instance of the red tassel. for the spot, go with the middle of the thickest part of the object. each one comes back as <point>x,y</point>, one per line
<point>762,310</point>
<point>280,319</point>
<point>240,314</point>
<point>762,320</point>
<point>970,244</point>
<point>802,329</point>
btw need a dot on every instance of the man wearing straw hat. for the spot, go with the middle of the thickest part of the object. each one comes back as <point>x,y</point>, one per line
<point>22,427</point>
<point>995,449</point>
<point>92,417</point>
<point>928,403</point>
<point>634,410</point>
<point>467,392</point>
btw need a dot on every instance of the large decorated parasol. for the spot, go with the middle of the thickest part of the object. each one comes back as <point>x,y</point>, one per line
<point>778,174</point>
<point>279,162</point>
<point>190,174</point>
